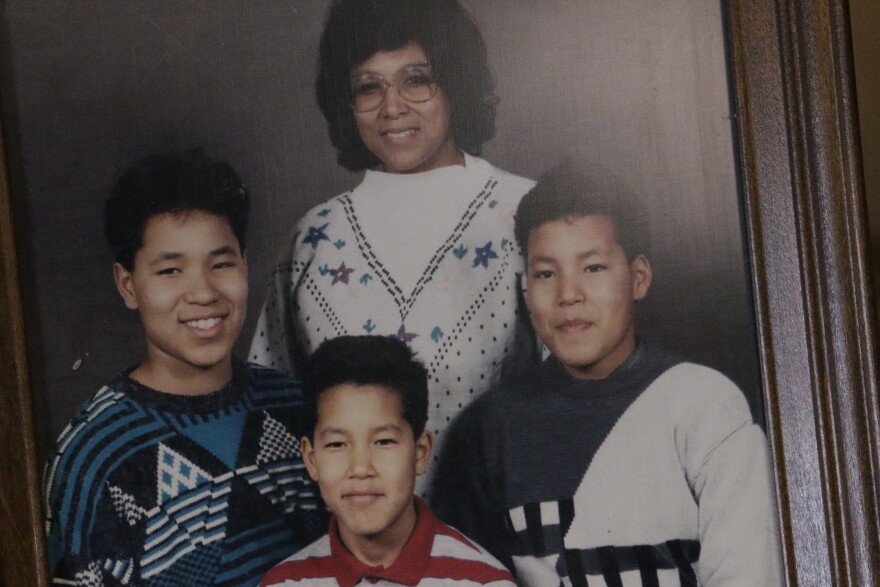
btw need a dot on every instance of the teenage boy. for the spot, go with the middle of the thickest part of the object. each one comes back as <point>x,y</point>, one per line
<point>613,462</point>
<point>185,469</point>
<point>366,443</point>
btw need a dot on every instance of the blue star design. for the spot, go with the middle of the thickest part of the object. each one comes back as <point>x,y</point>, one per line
<point>436,334</point>
<point>316,235</point>
<point>341,274</point>
<point>369,326</point>
<point>403,335</point>
<point>483,255</point>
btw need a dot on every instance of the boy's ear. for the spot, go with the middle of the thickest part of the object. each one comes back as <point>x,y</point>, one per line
<point>640,268</point>
<point>424,449</point>
<point>308,454</point>
<point>124,286</point>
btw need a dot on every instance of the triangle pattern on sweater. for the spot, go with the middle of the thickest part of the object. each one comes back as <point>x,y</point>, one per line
<point>221,436</point>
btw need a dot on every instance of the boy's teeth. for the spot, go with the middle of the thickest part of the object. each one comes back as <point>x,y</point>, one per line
<point>204,324</point>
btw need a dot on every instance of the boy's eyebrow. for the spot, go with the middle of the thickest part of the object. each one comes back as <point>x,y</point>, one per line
<point>224,250</point>
<point>173,256</point>
<point>168,256</point>
<point>541,259</point>
<point>582,255</point>
<point>377,429</point>
<point>387,428</point>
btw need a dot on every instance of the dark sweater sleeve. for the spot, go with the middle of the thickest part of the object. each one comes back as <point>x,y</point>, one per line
<point>81,557</point>
<point>467,491</point>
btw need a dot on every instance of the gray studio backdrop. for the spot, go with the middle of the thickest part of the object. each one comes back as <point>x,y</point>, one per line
<point>88,86</point>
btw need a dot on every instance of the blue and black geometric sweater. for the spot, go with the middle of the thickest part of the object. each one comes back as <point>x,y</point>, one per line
<point>152,489</point>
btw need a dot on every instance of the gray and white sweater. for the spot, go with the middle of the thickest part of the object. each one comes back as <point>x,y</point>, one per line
<point>655,475</point>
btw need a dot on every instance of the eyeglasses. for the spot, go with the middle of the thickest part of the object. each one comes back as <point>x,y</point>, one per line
<point>414,83</point>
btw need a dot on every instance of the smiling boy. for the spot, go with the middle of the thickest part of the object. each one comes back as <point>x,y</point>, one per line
<point>185,469</point>
<point>369,401</point>
<point>614,462</point>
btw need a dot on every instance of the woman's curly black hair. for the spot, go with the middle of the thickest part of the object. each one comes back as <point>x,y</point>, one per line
<point>355,30</point>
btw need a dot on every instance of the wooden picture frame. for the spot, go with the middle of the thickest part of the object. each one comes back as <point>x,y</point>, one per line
<point>797,139</point>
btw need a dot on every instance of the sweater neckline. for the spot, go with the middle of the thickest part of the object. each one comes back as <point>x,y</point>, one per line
<point>189,404</point>
<point>472,164</point>
<point>643,365</point>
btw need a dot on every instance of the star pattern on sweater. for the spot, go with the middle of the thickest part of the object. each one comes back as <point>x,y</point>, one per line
<point>483,254</point>
<point>340,274</point>
<point>404,336</point>
<point>316,235</point>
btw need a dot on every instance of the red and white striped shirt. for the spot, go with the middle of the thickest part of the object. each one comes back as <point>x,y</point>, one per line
<point>435,555</point>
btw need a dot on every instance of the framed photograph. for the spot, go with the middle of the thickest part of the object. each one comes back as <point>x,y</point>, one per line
<point>732,121</point>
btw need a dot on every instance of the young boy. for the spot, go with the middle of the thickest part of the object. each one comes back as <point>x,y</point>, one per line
<point>185,469</point>
<point>614,462</point>
<point>365,446</point>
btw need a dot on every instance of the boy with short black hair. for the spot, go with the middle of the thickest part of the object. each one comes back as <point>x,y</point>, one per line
<point>185,469</point>
<point>613,462</point>
<point>368,400</point>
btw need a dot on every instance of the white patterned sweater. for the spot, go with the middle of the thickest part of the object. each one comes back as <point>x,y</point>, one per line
<point>430,258</point>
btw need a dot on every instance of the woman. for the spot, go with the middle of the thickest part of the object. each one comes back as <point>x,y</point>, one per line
<point>423,248</point>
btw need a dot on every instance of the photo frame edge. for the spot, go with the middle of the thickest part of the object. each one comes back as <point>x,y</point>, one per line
<point>807,235</point>
<point>22,562</point>
<point>801,176</point>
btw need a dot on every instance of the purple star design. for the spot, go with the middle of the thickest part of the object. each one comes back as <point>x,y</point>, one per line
<point>483,254</point>
<point>341,274</point>
<point>316,235</point>
<point>404,336</point>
